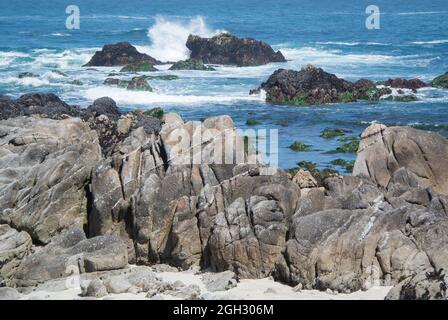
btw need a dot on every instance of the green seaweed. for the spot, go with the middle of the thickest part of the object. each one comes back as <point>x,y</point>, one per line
<point>299,146</point>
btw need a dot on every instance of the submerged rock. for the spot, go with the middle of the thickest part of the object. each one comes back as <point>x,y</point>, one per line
<point>27,75</point>
<point>190,64</point>
<point>119,54</point>
<point>228,49</point>
<point>138,67</point>
<point>139,84</point>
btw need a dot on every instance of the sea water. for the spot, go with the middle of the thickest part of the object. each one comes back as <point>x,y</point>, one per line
<point>412,42</point>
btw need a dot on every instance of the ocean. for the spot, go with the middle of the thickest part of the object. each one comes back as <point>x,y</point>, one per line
<point>412,42</point>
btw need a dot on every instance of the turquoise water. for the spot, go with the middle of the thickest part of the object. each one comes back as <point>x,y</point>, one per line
<point>412,42</point>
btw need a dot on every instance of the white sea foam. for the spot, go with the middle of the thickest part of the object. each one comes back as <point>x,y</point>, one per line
<point>415,13</point>
<point>59,34</point>
<point>352,44</point>
<point>65,59</point>
<point>431,42</point>
<point>169,35</point>
<point>31,81</point>
<point>321,57</point>
<point>6,57</point>
<point>123,96</point>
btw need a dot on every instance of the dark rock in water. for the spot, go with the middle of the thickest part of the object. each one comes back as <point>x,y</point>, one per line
<point>27,75</point>
<point>228,49</point>
<point>76,82</point>
<point>402,98</point>
<point>138,67</point>
<point>167,77</point>
<point>190,64</point>
<point>59,73</point>
<point>112,81</point>
<point>139,84</point>
<point>413,84</point>
<point>105,106</point>
<point>119,54</point>
<point>45,104</point>
<point>440,81</point>
<point>254,91</point>
<point>367,90</point>
<point>310,85</point>
<point>313,85</point>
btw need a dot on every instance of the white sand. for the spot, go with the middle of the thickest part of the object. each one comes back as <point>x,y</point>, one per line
<point>259,289</point>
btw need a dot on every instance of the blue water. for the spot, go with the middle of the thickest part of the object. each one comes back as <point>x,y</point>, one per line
<point>412,42</point>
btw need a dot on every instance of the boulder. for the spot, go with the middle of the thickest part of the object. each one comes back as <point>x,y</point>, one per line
<point>228,49</point>
<point>14,246</point>
<point>96,289</point>
<point>119,54</point>
<point>139,84</point>
<point>383,150</point>
<point>71,252</point>
<point>221,281</point>
<point>304,179</point>
<point>46,165</point>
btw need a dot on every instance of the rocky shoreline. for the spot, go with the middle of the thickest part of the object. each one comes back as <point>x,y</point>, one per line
<point>88,191</point>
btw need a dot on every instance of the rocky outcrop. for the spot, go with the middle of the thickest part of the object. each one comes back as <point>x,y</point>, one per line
<point>228,49</point>
<point>45,104</point>
<point>103,115</point>
<point>440,81</point>
<point>71,253</point>
<point>412,84</point>
<point>119,54</point>
<point>383,150</point>
<point>313,86</point>
<point>45,166</point>
<point>308,86</point>
<point>166,196</point>
<point>137,195</point>
<point>363,236</point>
<point>14,246</point>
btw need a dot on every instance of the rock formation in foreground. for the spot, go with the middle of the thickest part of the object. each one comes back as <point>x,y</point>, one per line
<point>90,191</point>
<point>229,50</point>
<point>120,54</point>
